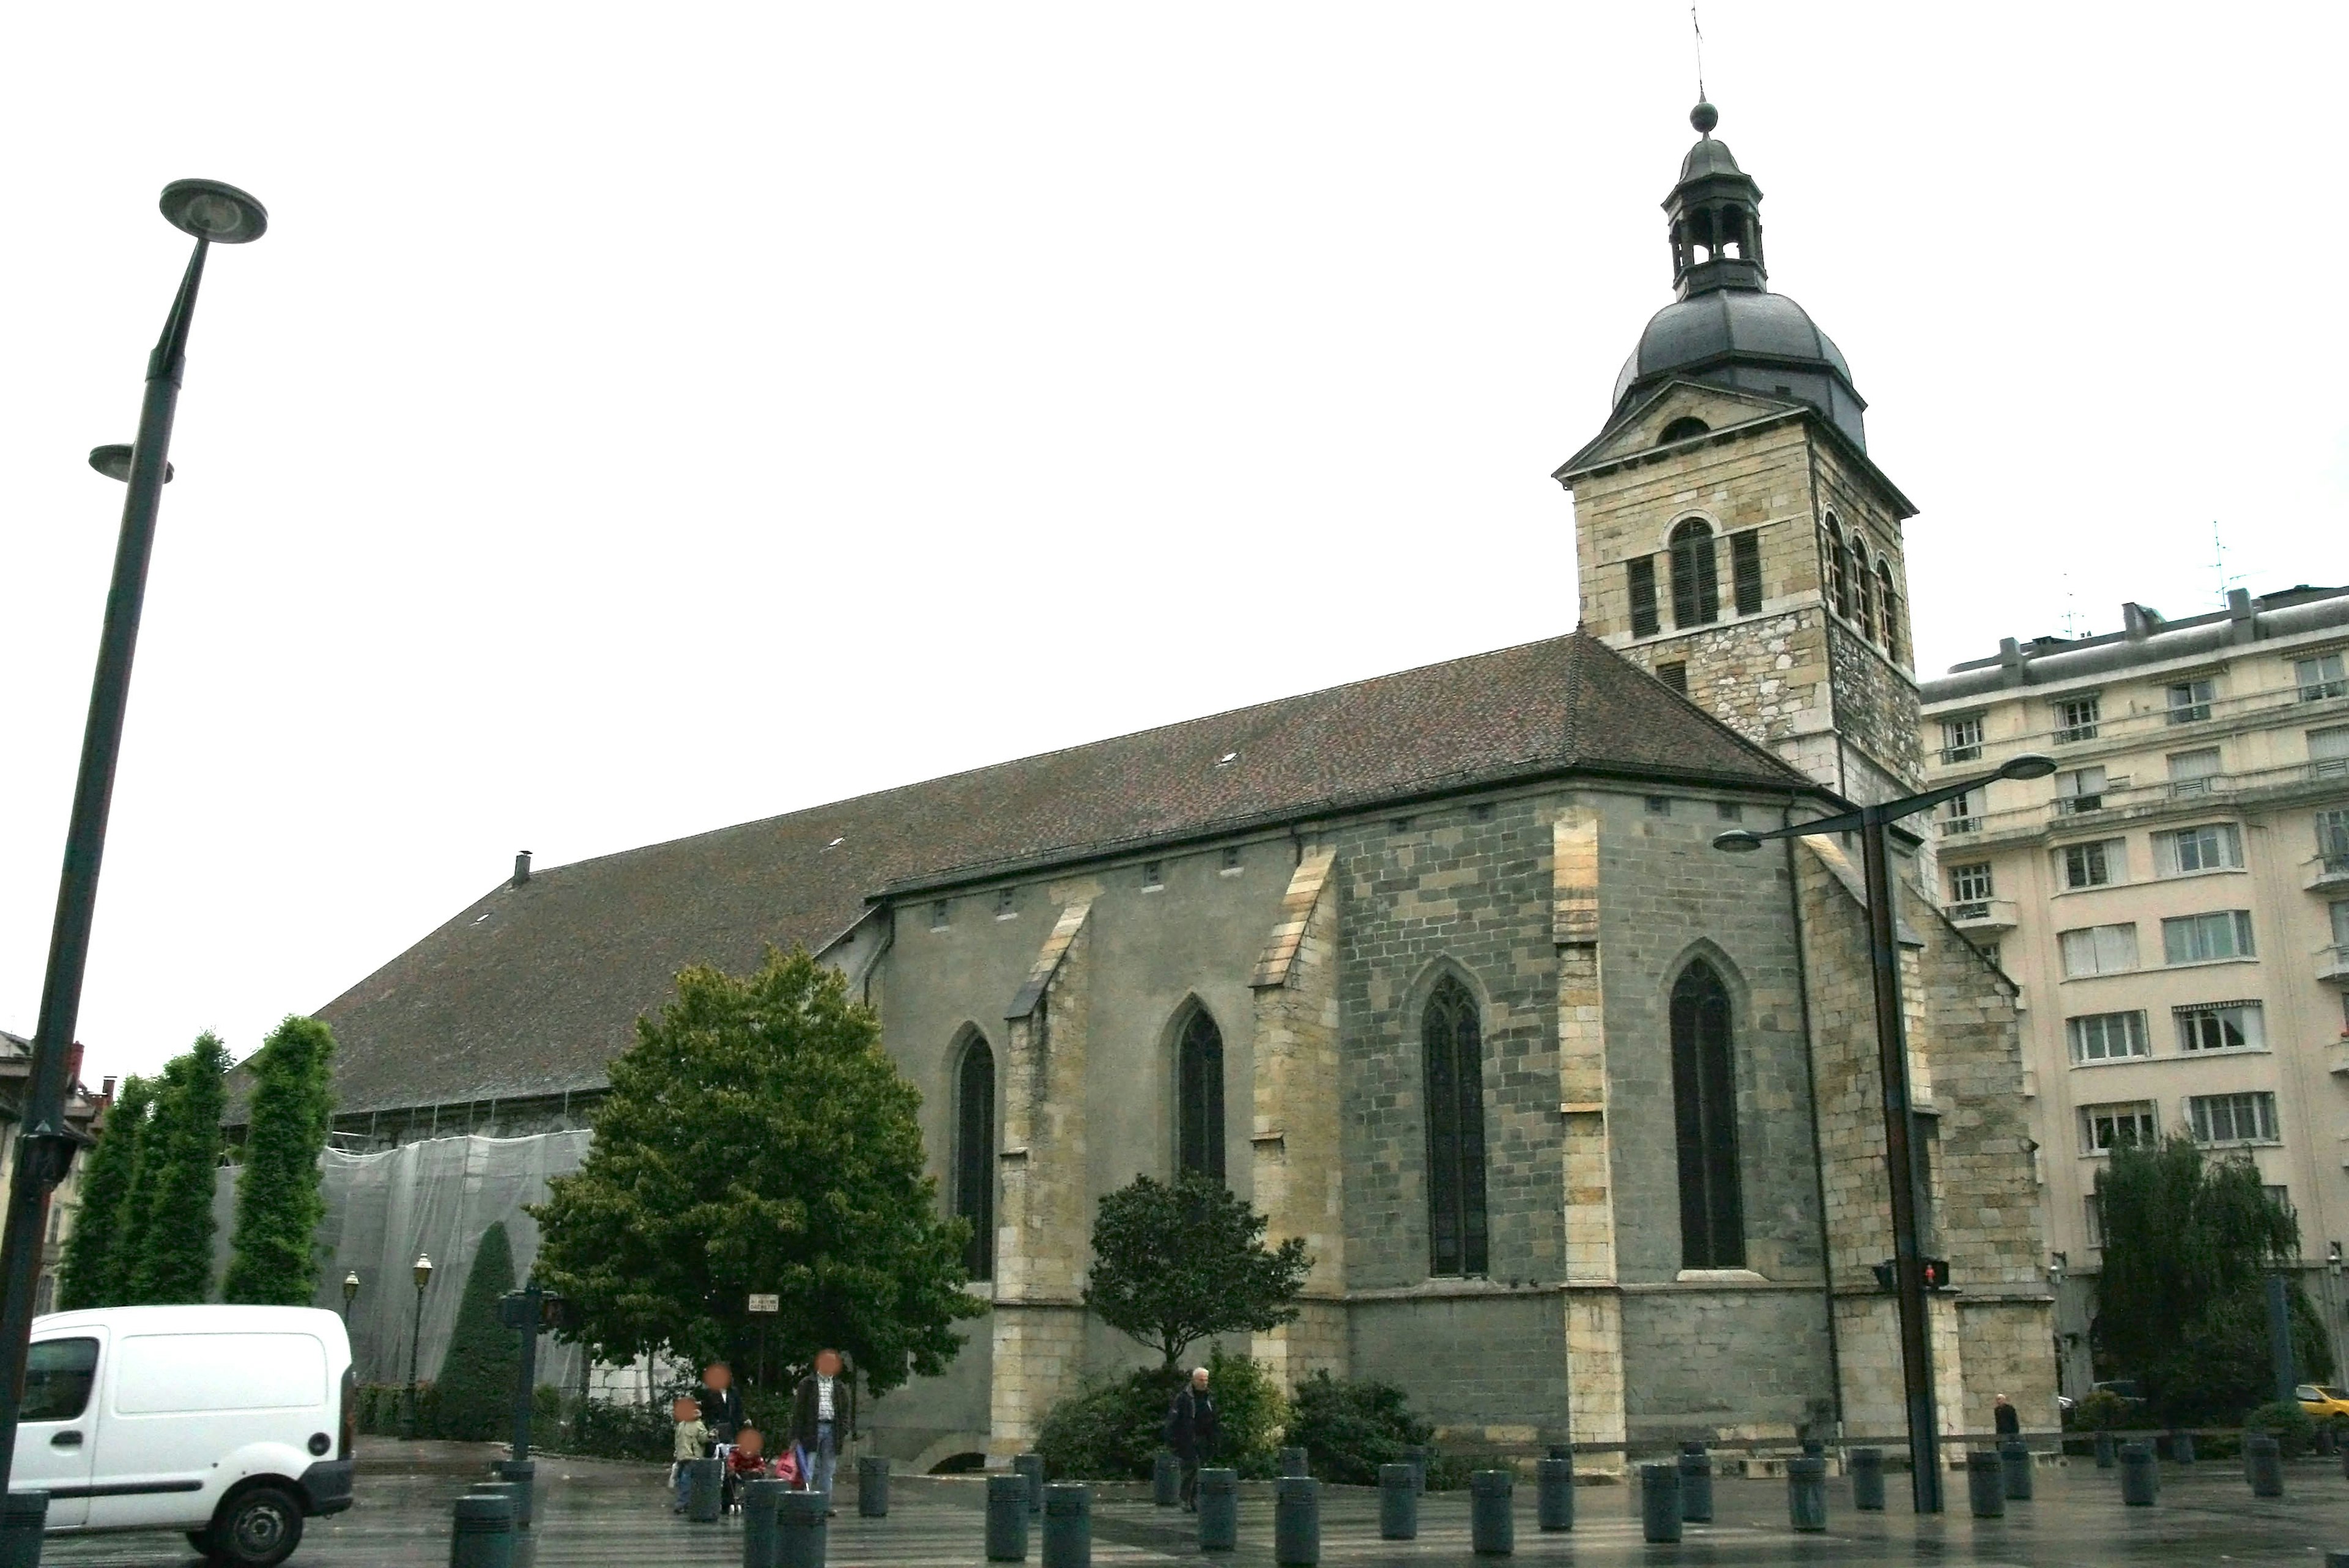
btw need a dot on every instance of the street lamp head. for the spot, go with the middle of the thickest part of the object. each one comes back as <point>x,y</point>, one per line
<point>2029,765</point>
<point>1737,841</point>
<point>423,1271</point>
<point>212,211</point>
<point>350,1284</point>
<point>114,462</point>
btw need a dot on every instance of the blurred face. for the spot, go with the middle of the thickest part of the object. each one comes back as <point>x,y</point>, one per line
<point>718,1376</point>
<point>828,1363</point>
<point>685,1409</point>
<point>750,1442</point>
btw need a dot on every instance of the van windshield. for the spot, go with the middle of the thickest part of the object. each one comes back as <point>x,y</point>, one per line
<point>58,1375</point>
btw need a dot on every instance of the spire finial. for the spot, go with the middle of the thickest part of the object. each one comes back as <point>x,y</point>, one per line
<point>1704,116</point>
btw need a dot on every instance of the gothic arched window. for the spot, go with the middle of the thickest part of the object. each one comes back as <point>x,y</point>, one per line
<point>974,1166</point>
<point>1696,583</point>
<point>1452,1047</point>
<point>1704,1108</point>
<point>1199,1096</point>
<point>1889,606</point>
<point>1863,587</point>
<point>1838,567</point>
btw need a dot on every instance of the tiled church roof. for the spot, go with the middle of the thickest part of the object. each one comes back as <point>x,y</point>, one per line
<point>532,988</point>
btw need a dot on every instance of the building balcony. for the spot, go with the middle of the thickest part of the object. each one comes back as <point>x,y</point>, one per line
<point>2328,873</point>
<point>1983,915</point>
<point>2333,964</point>
<point>2336,1057</point>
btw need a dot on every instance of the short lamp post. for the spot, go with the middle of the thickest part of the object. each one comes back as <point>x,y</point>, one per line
<point>423,1272</point>
<point>1872,822</point>
<point>350,1294</point>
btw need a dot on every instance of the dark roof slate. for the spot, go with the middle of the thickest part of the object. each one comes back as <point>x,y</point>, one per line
<point>532,988</point>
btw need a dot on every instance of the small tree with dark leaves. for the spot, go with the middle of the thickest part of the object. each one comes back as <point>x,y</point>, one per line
<point>1175,1263</point>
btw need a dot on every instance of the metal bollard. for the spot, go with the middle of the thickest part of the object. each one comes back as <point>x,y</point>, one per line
<point>1660,1502</point>
<point>1293,1462</point>
<point>1867,1468</point>
<point>1006,1518</point>
<point>1166,1481</point>
<point>1416,1456</point>
<point>2336,1560</point>
<point>761,1546</point>
<point>1554,1493</point>
<point>1985,1487</point>
<point>704,1490</point>
<point>872,1486</point>
<point>1068,1525</point>
<point>2104,1450</point>
<point>1219,1509</point>
<point>1296,1522</point>
<point>1807,1493</point>
<point>1696,1484</point>
<point>482,1532</point>
<point>2140,1477</point>
<point>1398,1505</point>
<point>1492,1513</point>
<point>2181,1447</point>
<point>2263,1464</point>
<point>2344,1463</point>
<point>1032,1466</point>
<point>524,1473</point>
<point>800,1529</point>
<point>2014,1465</point>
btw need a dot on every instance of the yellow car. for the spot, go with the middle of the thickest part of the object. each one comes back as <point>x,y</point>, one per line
<point>2321,1401</point>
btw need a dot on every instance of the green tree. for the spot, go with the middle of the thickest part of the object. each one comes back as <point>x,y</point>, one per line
<point>274,1257</point>
<point>476,1380</point>
<point>2180,1301</point>
<point>756,1137</point>
<point>95,1254</point>
<point>184,1139</point>
<point>1174,1263</point>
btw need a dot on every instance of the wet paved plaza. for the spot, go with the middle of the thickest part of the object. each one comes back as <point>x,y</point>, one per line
<point>593,1513</point>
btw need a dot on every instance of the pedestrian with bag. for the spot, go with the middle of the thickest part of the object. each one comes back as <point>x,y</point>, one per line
<point>1191,1433</point>
<point>824,1421</point>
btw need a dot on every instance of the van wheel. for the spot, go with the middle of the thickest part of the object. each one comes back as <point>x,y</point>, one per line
<point>256,1528</point>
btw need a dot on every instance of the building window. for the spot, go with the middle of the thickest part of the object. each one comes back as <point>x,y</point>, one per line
<point>2328,752</point>
<point>2096,864</point>
<point>1674,675</point>
<point>1969,883</point>
<point>2189,701</point>
<point>1643,574</point>
<point>1889,606</point>
<point>2124,1123</point>
<point>2077,718</point>
<point>1660,806</point>
<point>2332,838</point>
<point>938,915</point>
<point>2232,1118</point>
<point>2098,950</point>
<point>1745,571</point>
<point>1481,811</point>
<point>2079,790</point>
<point>2204,938</point>
<point>1729,810</point>
<point>1988,952</point>
<point>2194,773</point>
<point>1838,567</point>
<point>1686,428</point>
<point>2212,846</point>
<point>1704,1107</point>
<point>2092,1210</point>
<point>1696,586</point>
<point>1451,1049</point>
<point>1005,904</point>
<point>1231,858</point>
<point>1199,1096</point>
<point>1863,587</point>
<point>2320,678</point>
<point>2107,1036</point>
<point>2339,909</point>
<point>2220,1026</point>
<point>1962,739</point>
<point>1153,873</point>
<point>2281,1197</point>
<point>974,1167</point>
<point>1959,817</point>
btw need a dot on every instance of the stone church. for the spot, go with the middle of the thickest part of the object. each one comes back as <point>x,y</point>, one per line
<point>1579,1115</point>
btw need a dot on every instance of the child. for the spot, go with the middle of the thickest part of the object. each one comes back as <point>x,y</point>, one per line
<point>745,1462</point>
<point>691,1435</point>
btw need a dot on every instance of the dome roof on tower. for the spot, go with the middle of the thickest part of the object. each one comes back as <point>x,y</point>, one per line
<point>1744,338</point>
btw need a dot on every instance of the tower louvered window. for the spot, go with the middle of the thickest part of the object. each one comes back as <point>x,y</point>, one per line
<point>974,1190</point>
<point>1453,1048</point>
<point>1696,582</point>
<point>1745,571</point>
<point>1641,575</point>
<point>1199,1096</point>
<point>1704,1106</point>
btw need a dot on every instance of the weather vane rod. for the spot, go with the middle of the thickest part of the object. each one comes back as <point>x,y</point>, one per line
<point>1698,28</point>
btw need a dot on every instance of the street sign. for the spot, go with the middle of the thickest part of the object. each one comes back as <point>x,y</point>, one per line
<point>766,1302</point>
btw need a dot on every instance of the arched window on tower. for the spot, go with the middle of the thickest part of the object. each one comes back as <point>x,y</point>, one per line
<point>1452,1047</point>
<point>1838,566</point>
<point>1863,583</point>
<point>1684,428</point>
<point>1696,581</point>
<point>1704,1108</point>
<point>1199,1096</point>
<point>1889,606</point>
<point>974,1166</point>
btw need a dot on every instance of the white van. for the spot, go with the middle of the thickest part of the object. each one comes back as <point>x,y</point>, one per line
<point>232,1423</point>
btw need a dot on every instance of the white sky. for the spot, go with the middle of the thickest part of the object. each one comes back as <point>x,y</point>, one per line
<point>640,419</point>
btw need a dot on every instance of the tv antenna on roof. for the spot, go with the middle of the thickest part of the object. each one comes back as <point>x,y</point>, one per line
<point>2218,562</point>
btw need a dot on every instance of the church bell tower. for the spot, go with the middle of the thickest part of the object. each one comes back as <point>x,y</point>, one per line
<point>1732,534</point>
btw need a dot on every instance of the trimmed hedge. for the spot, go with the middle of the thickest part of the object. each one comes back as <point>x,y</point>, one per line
<point>2293,1426</point>
<point>1115,1431</point>
<point>608,1432</point>
<point>1348,1428</point>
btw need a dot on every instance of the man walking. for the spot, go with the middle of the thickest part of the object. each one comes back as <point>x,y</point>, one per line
<point>1191,1433</point>
<point>720,1402</point>
<point>2006,1418</point>
<point>823,1420</point>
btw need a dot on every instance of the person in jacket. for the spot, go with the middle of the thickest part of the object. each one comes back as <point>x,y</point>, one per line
<point>2006,1418</point>
<point>823,1420</point>
<point>720,1402</point>
<point>1191,1433</point>
<point>690,1434</point>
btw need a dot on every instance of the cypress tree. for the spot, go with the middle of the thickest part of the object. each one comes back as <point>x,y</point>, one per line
<point>94,1253</point>
<point>175,1259</point>
<point>274,1260</point>
<point>476,1382</point>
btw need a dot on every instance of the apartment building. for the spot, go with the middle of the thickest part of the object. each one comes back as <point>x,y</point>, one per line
<point>2174,903</point>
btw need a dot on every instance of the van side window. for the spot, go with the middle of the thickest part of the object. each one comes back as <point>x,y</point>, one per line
<point>58,1375</point>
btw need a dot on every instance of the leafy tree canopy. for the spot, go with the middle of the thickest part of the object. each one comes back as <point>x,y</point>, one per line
<point>274,1258</point>
<point>756,1137</point>
<point>1175,1263</point>
<point>96,1259</point>
<point>182,1151</point>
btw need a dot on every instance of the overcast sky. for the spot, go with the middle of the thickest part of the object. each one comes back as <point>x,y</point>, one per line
<point>641,419</point>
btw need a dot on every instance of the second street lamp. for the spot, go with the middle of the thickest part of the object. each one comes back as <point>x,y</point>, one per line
<point>350,1294</point>
<point>423,1272</point>
<point>1872,822</point>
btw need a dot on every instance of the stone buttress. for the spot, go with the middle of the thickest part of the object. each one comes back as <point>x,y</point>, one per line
<point>1594,1302</point>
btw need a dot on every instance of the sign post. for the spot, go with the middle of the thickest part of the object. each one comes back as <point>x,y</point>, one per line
<point>764,1305</point>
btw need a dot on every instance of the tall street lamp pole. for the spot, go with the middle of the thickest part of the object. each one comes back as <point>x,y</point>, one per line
<point>350,1294</point>
<point>212,213</point>
<point>1871,823</point>
<point>416,1334</point>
